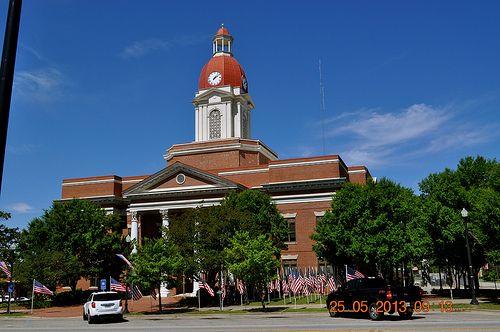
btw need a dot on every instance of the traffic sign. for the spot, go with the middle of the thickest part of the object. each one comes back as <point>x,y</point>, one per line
<point>104,284</point>
<point>11,287</point>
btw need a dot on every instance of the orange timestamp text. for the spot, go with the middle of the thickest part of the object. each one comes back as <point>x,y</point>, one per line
<point>390,306</point>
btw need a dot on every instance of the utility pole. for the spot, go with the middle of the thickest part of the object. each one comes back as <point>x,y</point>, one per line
<point>472,280</point>
<point>7,73</point>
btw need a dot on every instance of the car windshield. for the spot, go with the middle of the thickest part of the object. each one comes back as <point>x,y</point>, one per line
<point>106,297</point>
<point>374,283</point>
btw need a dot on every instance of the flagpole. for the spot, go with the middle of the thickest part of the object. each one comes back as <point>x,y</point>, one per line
<point>199,299</point>
<point>345,272</point>
<point>32,295</point>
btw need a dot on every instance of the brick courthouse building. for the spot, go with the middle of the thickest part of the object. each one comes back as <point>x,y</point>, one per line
<point>223,157</point>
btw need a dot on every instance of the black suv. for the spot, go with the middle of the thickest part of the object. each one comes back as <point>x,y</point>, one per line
<point>374,297</point>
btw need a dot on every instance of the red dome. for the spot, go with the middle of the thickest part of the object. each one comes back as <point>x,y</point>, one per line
<point>223,31</point>
<point>228,67</point>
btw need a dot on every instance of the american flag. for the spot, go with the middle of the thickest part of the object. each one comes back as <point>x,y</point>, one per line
<point>240,286</point>
<point>352,274</point>
<point>285,286</point>
<point>38,288</point>
<point>205,286</point>
<point>136,293</point>
<point>271,286</point>
<point>332,286</point>
<point>123,258</point>
<point>298,284</point>
<point>322,281</point>
<point>116,285</point>
<point>4,268</point>
<point>153,293</point>
<point>305,289</point>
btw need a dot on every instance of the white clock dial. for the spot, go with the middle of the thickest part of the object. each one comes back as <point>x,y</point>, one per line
<point>214,78</point>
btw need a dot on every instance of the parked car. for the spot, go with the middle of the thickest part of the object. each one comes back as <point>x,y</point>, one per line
<point>23,299</point>
<point>374,297</point>
<point>103,305</point>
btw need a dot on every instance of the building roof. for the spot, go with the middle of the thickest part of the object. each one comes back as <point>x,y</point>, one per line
<point>223,31</point>
<point>231,71</point>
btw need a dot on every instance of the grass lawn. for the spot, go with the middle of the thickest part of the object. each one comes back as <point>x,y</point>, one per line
<point>13,314</point>
<point>300,300</point>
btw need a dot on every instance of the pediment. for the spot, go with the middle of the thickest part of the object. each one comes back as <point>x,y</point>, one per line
<point>180,178</point>
<point>213,92</point>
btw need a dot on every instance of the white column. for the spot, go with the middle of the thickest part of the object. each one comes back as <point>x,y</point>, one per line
<point>205,123</point>
<point>134,232</point>
<point>164,219</point>
<point>237,121</point>
<point>196,124</point>
<point>229,113</point>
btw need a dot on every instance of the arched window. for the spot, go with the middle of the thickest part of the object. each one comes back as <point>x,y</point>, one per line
<point>214,123</point>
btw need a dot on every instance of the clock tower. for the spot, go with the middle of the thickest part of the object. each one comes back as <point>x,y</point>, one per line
<point>222,103</point>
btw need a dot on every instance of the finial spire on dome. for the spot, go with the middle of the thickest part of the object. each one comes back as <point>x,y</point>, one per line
<point>222,41</point>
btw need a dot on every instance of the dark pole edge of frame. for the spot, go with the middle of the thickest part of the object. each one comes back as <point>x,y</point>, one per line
<point>7,74</point>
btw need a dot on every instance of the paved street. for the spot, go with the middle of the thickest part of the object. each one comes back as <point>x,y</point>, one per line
<point>463,321</point>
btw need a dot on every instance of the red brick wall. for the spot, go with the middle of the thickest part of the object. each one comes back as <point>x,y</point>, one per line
<point>305,223</point>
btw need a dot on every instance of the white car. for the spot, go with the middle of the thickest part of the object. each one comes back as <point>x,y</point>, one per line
<point>101,305</point>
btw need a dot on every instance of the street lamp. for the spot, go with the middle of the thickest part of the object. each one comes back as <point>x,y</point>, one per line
<point>12,248</point>
<point>472,281</point>
<point>128,240</point>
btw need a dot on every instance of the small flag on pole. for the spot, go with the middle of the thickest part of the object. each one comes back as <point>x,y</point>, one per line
<point>123,258</point>
<point>116,286</point>
<point>352,274</point>
<point>240,286</point>
<point>136,293</point>
<point>153,293</point>
<point>38,288</point>
<point>205,286</point>
<point>4,268</point>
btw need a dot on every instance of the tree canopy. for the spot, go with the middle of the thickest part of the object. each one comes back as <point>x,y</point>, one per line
<point>71,240</point>
<point>252,259</point>
<point>156,262</point>
<point>377,226</point>
<point>474,185</point>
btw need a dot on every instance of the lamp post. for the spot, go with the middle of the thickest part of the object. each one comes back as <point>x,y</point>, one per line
<point>12,248</point>
<point>472,281</point>
<point>128,240</point>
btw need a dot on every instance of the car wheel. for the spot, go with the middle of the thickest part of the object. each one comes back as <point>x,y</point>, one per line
<point>84,316</point>
<point>90,319</point>
<point>332,313</point>
<point>407,314</point>
<point>120,318</point>
<point>372,312</point>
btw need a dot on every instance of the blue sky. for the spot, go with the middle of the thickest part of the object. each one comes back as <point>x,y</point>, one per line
<point>105,87</point>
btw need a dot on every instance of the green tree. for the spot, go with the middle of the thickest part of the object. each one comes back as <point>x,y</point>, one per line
<point>254,212</point>
<point>157,261</point>
<point>73,239</point>
<point>202,234</point>
<point>474,185</point>
<point>9,238</point>
<point>252,259</point>
<point>377,226</point>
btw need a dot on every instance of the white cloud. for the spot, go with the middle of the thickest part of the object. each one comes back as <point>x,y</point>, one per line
<point>140,48</point>
<point>21,207</point>
<point>373,137</point>
<point>40,85</point>
<point>21,149</point>
<point>458,139</point>
<point>382,129</point>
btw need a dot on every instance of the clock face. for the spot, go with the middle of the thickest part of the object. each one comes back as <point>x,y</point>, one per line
<point>214,78</point>
<point>244,83</point>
